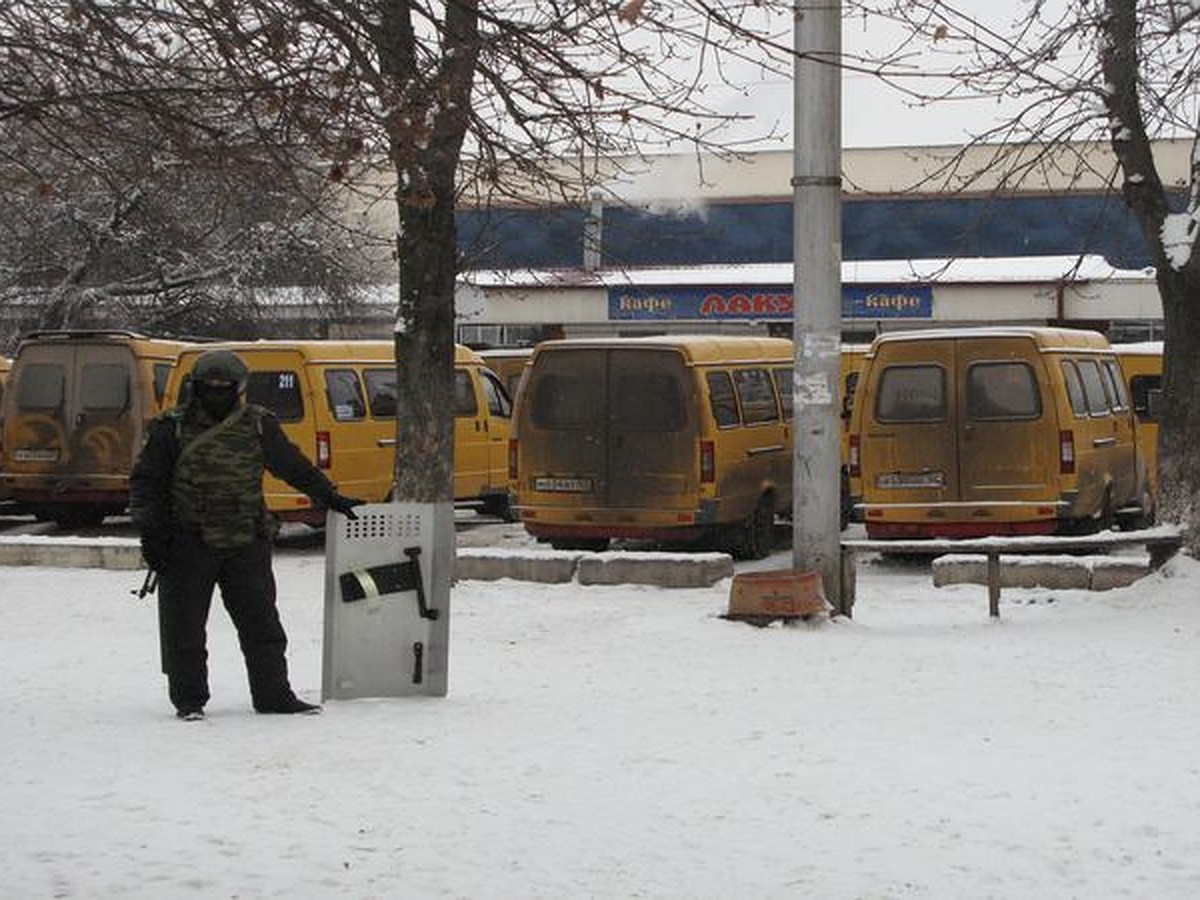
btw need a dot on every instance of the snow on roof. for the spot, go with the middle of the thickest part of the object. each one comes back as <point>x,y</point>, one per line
<point>982,270</point>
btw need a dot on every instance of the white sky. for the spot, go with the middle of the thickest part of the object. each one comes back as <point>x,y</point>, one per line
<point>611,742</point>
<point>874,115</point>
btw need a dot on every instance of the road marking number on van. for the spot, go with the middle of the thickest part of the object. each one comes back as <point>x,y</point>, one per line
<point>929,479</point>
<point>563,485</point>
<point>28,454</point>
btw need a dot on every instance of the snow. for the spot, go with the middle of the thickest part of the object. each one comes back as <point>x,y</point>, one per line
<point>1178,234</point>
<point>618,741</point>
<point>974,270</point>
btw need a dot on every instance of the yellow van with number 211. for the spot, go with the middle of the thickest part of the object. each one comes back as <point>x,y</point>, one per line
<point>336,400</point>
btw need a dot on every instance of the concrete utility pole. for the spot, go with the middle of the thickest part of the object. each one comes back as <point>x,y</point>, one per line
<point>817,289</point>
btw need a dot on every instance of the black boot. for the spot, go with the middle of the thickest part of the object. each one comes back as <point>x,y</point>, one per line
<point>289,705</point>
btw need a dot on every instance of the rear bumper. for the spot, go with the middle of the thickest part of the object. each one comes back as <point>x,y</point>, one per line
<point>549,523</point>
<point>962,520</point>
<point>46,490</point>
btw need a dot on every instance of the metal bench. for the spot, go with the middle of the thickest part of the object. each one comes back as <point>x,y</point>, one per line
<point>1161,543</point>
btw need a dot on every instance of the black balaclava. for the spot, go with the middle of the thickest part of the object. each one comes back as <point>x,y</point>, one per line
<point>218,399</point>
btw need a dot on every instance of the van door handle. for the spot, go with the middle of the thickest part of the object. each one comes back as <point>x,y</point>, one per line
<point>386,442</point>
<point>1103,442</point>
<point>759,451</point>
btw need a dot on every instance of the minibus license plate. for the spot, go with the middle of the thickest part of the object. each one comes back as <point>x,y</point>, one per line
<point>563,485</point>
<point>25,454</point>
<point>911,480</point>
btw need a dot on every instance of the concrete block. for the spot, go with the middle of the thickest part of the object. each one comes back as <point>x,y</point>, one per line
<point>1097,573</point>
<point>1110,572</point>
<point>94,553</point>
<point>1055,572</point>
<point>660,569</point>
<point>491,564</point>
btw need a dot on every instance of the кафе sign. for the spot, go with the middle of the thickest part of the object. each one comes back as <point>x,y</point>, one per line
<point>859,301</point>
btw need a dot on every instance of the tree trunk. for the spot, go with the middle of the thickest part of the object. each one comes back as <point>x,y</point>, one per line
<point>427,123</point>
<point>425,353</point>
<point>1179,432</point>
<point>1178,284</point>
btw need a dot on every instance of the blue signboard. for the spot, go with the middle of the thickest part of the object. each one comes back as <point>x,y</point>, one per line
<point>859,301</point>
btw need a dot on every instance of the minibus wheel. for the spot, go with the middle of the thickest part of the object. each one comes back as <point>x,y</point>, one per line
<point>756,535</point>
<point>79,516</point>
<point>1143,518</point>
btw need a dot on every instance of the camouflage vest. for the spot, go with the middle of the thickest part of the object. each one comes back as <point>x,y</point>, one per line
<point>217,484</point>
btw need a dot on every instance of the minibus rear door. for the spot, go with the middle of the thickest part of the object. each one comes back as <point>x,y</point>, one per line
<point>1009,429</point>
<point>910,448</point>
<point>652,430</point>
<point>104,424</point>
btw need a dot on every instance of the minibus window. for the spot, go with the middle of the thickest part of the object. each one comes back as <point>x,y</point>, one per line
<point>911,394</point>
<point>278,391</point>
<point>162,371</point>
<point>1144,389</point>
<point>41,386</point>
<point>848,396</point>
<point>783,386</point>
<point>345,395</point>
<point>1002,390</point>
<point>722,400</point>
<point>381,392</point>
<point>1117,383</point>
<point>464,394</point>
<point>561,400</point>
<point>1153,404</point>
<point>104,387</point>
<point>1074,388</point>
<point>756,395</point>
<point>647,401</point>
<point>497,400</point>
<point>1093,387</point>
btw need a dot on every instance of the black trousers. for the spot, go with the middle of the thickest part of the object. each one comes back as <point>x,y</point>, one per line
<point>185,590</point>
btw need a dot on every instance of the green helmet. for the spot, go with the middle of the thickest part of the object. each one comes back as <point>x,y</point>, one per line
<point>221,365</point>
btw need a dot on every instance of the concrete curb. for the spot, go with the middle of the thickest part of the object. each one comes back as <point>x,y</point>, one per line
<point>659,569</point>
<point>546,566</point>
<point>71,553</point>
<point>471,563</point>
<point>1096,573</point>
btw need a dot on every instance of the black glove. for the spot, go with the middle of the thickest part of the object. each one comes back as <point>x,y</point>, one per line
<point>344,505</point>
<point>156,547</point>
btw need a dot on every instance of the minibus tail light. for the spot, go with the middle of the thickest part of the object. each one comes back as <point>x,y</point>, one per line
<point>324,450</point>
<point>512,459</point>
<point>708,462</point>
<point>855,460</point>
<point>1066,452</point>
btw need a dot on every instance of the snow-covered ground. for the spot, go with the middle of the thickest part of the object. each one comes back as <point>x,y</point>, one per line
<point>619,742</point>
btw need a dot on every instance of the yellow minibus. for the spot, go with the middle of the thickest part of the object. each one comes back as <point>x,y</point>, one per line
<point>1142,366</point>
<point>509,364</point>
<point>75,413</point>
<point>854,357</point>
<point>336,400</point>
<point>984,431</point>
<point>672,438</point>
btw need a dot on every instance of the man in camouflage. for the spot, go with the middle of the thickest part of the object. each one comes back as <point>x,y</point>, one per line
<point>196,497</point>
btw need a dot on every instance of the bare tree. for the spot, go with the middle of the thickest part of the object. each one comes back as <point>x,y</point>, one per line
<point>1063,73</point>
<point>120,207</point>
<point>392,96</point>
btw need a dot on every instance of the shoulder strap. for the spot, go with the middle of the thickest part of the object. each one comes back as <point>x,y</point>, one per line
<point>209,433</point>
